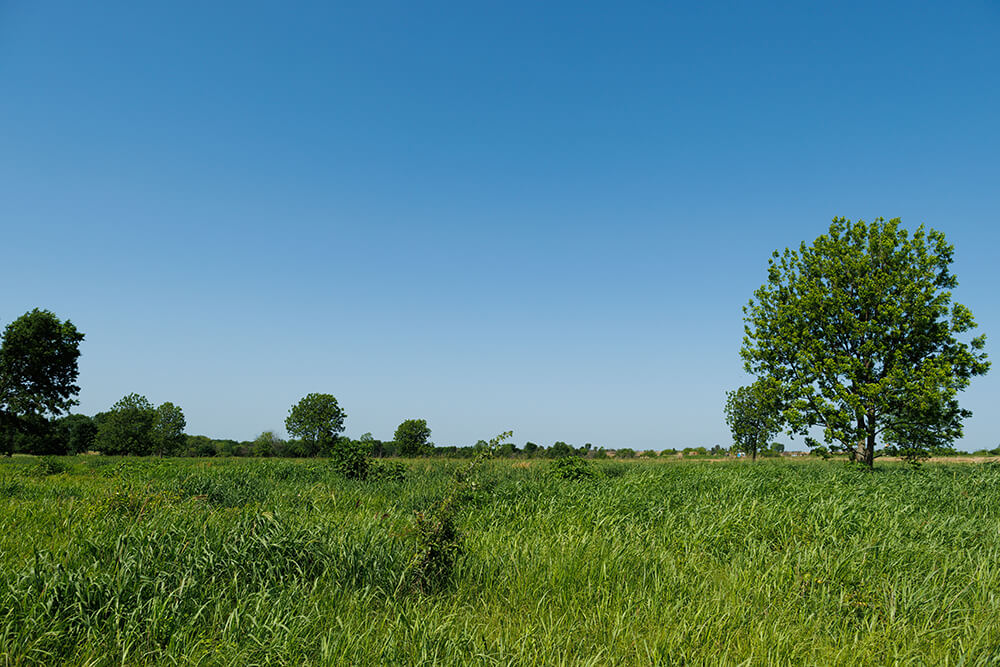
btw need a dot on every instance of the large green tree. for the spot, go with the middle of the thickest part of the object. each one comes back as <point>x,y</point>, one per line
<point>412,436</point>
<point>861,331</point>
<point>38,372</point>
<point>753,413</point>
<point>317,420</point>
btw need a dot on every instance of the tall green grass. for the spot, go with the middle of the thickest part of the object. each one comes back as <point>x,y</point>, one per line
<point>113,561</point>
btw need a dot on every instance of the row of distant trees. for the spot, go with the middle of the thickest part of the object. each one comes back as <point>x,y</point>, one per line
<point>135,427</point>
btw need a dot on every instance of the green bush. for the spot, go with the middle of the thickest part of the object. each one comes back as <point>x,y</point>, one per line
<point>572,468</point>
<point>387,471</point>
<point>350,458</point>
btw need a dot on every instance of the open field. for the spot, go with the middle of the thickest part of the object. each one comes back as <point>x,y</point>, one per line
<point>147,561</point>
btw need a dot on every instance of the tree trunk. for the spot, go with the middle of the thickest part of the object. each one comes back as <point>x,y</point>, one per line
<point>860,450</point>
<point>870,442</point>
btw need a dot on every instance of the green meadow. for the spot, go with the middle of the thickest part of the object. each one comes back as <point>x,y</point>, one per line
<point>116,561</point>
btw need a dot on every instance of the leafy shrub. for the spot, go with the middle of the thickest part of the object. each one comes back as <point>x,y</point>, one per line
<point>572,468</point>
<point>350,458</point>
<point>439,543</point>
<point>387,471</point>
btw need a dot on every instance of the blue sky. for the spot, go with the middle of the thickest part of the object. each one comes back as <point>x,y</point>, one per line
<point>542,217</point>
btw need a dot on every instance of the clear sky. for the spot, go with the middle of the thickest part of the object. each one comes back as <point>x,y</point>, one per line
<point>536,216</point>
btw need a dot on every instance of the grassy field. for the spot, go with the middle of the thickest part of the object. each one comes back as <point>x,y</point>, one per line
<point>146,561</point>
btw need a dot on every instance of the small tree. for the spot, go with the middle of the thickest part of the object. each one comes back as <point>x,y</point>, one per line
<point>168,430</point>
<point>316,420</point>
<point>412,436</point>
<point>753,414</point>
<point>38,372</point>
<point>127,428</point>
<point>266,444</point>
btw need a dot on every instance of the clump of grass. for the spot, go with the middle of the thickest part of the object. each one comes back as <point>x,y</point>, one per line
<point>47,466</point>
<point>134,500</point>
<point>224,489</point>
<point>10,488</point>
<point>146,584</point>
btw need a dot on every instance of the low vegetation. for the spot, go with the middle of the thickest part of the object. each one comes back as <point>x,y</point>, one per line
<point>107,560</point>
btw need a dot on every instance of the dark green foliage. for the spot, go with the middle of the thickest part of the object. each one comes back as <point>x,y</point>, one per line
<point>753,414</point>
<point>78,432</point>
<point>625,453</point>
<point>859,330</point>
<point>10,488</point>
<point>572,467</point>
<point>34,434</point>
<point>438,541</point>
<point>439,544</point>
<point>820,450</point>
<point>267,444</point>
<point>128,428</point>
<point>560,449</point>
<point>387,471</point>
<point>316,420</point>
<point>133,427</point>
<point>168,430</point>
<point>350,458</point>
<point>38,372</point>
<point>412,437</point>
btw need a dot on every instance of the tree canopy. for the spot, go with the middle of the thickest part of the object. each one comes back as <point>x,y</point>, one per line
<point>411,437</point>
<point>317,420</point>
<point>38,371</point>
<point>753,414</point>
<point>860,330</point>
<point>127,428</point>
<point>168,429</point>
